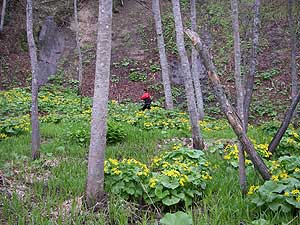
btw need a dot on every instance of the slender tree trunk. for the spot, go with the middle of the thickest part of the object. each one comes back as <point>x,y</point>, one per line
<point>227,108</point>
<point>239,89</point>
<point>78,48</point>
<point>35,136</point>
<point>253,62</point>
<point>2,15</point>
<point>293,49</point>
<point>195,69</point>
<point>162,54</point>
<point>285,124</point>
<point>188,83</point>
<point>95,178</point>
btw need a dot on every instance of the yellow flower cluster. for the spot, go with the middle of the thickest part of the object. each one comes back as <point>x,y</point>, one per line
<point>252,189</point>
<point>152,182</point>
<point>205,176</point>
<point>231,152</point>
<point>171,173</point>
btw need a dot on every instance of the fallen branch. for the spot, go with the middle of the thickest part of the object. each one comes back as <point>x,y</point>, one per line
<point>227,108</point>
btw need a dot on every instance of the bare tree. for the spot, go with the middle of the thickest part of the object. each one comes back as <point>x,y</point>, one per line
<point>35,137</point>
<point>188,83</point>
<point>232,117</point>
<point>239,89</point>
<point>162,54</point>
<point>95,177</point>
<point>77,29</point>
<point>293,42</point>
<point>253,62</point>
<point>195,69</point>
<point>2,15</point>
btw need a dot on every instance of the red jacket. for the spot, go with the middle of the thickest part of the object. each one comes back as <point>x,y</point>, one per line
<point>145,96</point>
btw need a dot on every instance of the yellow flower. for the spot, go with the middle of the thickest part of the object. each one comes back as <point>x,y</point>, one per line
<point>182,181</point>
<point>139,173</point>
<point>116,171</point>
<point>153,182</point>
<point>283,175</point>
<point>113,161</point>
<point>252,189</point>
<point>298,199</point>
<point>295,191</point>
<point>286,194</point>
<point>275,178</point>
<point>227,157</point>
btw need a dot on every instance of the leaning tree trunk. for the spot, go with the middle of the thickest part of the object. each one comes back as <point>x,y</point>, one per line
<point>227,108</point>
<point>162,54</point>
<point>188,83</point>
<point>95,177</point>
<point>35,136</point>
<point>253,62</point>
<point>195,69</point>
<point>78,48</point>
<point>239,89</point>
<point>285,124</point>
<point>2,15</point>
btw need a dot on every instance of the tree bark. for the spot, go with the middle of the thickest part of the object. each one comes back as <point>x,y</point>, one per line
<point>95,177</point>
<point>239,90</point>
<point>35,133</point>
<point>78,48</point>
<point>253,62</point>
<point>227,108</point>
<point>195,69</point>
<point>284,125</point>
<point>162,55</point>
<point>293,42</point>
<point>188,83</point>
<point>2,15</point>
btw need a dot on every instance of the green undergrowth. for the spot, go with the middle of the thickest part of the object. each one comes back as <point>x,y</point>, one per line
<point>203,185</point>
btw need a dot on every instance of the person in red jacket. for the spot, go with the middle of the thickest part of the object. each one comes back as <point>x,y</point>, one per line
<point>147,100</point>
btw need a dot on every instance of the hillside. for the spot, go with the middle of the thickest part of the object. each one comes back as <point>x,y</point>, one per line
<point>135,61</point>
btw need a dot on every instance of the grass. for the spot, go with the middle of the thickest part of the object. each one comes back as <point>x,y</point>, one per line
<point>44,195</point>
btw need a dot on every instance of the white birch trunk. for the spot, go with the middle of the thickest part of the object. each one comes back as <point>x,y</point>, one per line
<point>162,54</point>
<point>239,88</point>
<point>78,47</point>
<point>35,136</point>
<point>188,83</point>
<point>2,15</point>
<point>95,177</point>
<point>195,69</point>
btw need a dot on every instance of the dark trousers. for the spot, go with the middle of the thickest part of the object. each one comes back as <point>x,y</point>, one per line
<point>146,106</point>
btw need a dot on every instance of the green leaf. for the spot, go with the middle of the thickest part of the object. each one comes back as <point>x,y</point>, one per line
<point>195,154</point>
<point>178,218</point>
<point>170,201</point>
<point>260,222</point>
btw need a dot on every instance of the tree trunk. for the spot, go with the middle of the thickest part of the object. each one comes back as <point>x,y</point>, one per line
<point>230,113</point>
<point>284,125</point>
<point>2,15</point>
<point>35,136</point>
<point>95,177</point>
<point>162,54</point>
<point>293,49</point>
<point>195,69</point>
<point>253,63</point>
<point>239,89</point>
<point>78,48</point>
<point>188,83</point>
